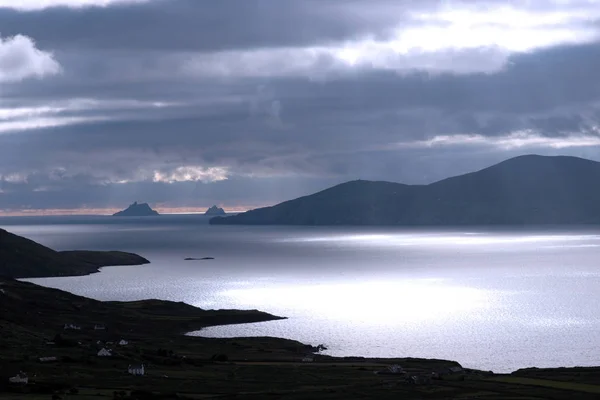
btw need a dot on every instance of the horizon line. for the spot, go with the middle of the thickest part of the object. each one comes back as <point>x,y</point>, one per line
<point>110,211</point>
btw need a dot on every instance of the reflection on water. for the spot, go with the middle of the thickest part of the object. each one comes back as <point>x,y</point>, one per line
<point>463,239</point>
<point>375,302</point>
<point>490,299</point>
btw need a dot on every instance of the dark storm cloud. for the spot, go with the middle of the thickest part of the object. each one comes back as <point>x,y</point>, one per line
<point>128,118</point>
<point>229,123</point>
<point>199,25</point>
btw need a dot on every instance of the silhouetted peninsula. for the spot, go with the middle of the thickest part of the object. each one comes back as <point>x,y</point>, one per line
<point>136,210</point>
<point>24,258</point>
<point>525,190</point>
<point>214,210</point>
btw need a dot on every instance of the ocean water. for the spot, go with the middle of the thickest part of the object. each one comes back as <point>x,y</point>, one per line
<point>493,299</point>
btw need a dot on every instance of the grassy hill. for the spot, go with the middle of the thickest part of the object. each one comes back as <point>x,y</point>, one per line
<point>526,190</point>
<point>24,258</point>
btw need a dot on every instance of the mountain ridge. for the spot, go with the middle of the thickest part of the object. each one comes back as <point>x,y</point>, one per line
<point>524,190</point>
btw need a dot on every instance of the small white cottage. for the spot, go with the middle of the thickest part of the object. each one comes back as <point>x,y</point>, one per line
<point>123,342</point>
<point>104,353</point>
<point>308,359</point>
<point>136,369</point>
<point>99,327</point>
<point>20,378</point>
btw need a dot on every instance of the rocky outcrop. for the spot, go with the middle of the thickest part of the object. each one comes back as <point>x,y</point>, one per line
<point>137,210</point>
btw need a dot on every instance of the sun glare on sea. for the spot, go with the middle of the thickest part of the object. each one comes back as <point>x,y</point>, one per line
<point>401,302</point>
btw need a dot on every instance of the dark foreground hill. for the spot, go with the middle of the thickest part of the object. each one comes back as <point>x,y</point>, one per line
<point>525,190</point>
<point>66,363</point>
<point>46,310</point>
<point>24,258</point>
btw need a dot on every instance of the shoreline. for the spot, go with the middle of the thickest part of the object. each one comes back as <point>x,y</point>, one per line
<point>179,366</point>
<point>312,348</point>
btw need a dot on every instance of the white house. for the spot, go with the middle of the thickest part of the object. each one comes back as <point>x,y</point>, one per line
<point>21,377</point>
<point>308,359</point>
<point>72,326</point>
<point>99,327</point>
<point>123,342</point>
<point>104,353</point>
<point>136,369</point>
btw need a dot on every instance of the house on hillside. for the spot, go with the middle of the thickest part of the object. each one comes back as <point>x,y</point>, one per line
<point>308,359</point>
<point>123,342</point>
<point>72,327</point>
<point>99,327</point>
<point>21,378</point>
<point>137,370</point>
<point>104,352</point>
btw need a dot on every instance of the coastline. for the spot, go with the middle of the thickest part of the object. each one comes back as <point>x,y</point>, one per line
<point>251,367</point>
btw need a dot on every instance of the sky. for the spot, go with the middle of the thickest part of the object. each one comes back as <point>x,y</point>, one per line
<point>245,103</point>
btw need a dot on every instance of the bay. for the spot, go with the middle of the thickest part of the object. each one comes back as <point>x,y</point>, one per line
<point>489,298</point>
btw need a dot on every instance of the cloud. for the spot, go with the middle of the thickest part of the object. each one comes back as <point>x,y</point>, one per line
<point>251,102</point>
<point>75,111</point>
<point>29,5</point>
<point>270,38</point>
<point>454,38</point>
<point>191,173</point>
<point>21,59</point>
<point>516,140</point>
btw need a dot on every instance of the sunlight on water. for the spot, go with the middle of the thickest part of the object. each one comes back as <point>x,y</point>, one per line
<point>370,302</point>
<point>490,299</point>
<point>466,239</point>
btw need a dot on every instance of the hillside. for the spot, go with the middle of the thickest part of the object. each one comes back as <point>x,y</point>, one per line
<point>525,190</point>
<point>24,258</point>
<point>46,310</point>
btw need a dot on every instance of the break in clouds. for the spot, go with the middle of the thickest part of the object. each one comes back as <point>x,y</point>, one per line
<point>186,103</point>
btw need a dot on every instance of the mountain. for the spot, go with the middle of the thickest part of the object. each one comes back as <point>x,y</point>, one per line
<point>24,258</point>
<point>136,210</point>
<point>525,190</point>
<point>214,210</point>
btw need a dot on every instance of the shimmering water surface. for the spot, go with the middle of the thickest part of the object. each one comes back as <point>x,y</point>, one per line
<point>494,299</point>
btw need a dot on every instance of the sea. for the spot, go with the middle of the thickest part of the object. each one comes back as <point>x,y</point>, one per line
<point>494,299</point>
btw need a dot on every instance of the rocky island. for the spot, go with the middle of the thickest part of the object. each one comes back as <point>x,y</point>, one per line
<point>525,190</point>
<point>137,210</point>
<point>214,211</point>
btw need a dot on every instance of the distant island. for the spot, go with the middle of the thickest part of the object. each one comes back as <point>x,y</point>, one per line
<point>24,258</point>
<point>214,210</point>
<point>525,190</point>
<point>137,210</point>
